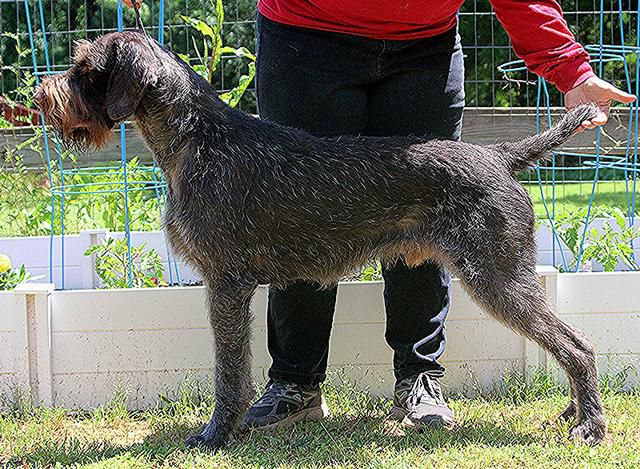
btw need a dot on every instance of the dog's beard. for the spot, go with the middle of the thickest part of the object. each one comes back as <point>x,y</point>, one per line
<point>80,139</point>
<point>79,124</point>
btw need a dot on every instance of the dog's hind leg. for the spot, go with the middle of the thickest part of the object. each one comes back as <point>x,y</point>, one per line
<point>503,280</point>
<point>229,300</point>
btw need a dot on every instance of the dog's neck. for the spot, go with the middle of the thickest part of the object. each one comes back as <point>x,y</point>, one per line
<point>178,111</point>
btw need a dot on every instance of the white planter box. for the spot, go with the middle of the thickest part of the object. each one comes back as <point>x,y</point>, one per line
<point>147,341</point>
<point>77,348</point>
<point>25,342</point>
<point>606,307</point>
<point>8,342</point>
<point>87,344</point>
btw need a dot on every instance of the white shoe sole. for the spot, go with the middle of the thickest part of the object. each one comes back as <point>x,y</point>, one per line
<point>401,415</point>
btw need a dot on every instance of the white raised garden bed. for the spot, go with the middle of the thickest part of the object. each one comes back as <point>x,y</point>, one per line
<point>77,348</point>
<point>8,341</point>
<point>606,307</point>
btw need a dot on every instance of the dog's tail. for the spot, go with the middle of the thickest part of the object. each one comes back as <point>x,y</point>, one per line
<point>524,153</point>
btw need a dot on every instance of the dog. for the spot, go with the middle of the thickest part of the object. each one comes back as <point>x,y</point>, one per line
<point>251,202</point>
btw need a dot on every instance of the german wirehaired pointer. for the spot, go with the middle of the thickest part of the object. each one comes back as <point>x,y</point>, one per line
<point>251,202</point>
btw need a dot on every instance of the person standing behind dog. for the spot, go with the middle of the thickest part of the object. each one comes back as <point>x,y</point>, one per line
<point>385,68</point>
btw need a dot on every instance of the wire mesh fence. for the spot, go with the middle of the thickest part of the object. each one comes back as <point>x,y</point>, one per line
<point>485,42</point>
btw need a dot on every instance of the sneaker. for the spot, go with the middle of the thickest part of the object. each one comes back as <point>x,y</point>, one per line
<point>418,402</point>
<point>283,404</point>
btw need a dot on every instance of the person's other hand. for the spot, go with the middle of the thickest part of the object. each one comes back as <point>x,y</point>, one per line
<point>129,3</point>
<point>595,90</point>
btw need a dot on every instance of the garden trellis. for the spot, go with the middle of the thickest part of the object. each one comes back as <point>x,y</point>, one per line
<point>94,188</point>
<point>595,162</point>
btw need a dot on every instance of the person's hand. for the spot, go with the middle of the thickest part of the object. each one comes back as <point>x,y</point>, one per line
<point>129,3</point>
<point>595,90</point>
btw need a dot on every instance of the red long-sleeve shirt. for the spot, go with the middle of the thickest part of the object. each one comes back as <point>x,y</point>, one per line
<point>539,34</point>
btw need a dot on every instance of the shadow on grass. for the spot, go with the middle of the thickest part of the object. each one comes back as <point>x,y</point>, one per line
<point>339,440</point>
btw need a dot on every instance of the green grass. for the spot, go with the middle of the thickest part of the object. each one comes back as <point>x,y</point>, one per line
<point>512,426</point>
<point>573,196</point>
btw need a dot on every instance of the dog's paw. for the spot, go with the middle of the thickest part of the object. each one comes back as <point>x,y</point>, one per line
<point>207,439</point>
<point>589,431</point>
<point>568,413</point>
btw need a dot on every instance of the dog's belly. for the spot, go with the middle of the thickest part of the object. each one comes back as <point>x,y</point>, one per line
<point>275,253</point>
<point>282,266</point>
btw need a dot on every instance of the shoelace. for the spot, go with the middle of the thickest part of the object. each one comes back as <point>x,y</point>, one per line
<point>279,389</point>
<point>424,385</point>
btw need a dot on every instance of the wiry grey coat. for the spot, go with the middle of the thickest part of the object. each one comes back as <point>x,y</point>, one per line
<point>253,202</point>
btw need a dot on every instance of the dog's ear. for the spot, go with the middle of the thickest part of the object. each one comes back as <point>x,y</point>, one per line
<point>133,70</point>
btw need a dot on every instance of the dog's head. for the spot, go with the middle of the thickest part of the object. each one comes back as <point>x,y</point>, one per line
<point>104,86</point>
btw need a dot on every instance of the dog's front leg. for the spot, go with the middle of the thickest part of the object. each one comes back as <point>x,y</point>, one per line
<point>229,299</point>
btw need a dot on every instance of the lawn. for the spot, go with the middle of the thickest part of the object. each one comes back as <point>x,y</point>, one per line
<point>511,426</point>
<point>571,196</point>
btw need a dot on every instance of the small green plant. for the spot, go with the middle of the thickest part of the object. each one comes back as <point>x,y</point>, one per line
<point>25,199</point>
<point>569,226</point>
<point>372,271</point>
<point>213,51</point>
<point>608,246</point>
<point>11,278</point>
<point>112,265</point>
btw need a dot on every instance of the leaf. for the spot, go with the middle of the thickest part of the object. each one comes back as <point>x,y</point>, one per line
<point>200,26</point>
<point>239,52</point>
<point>620,218</point>
<point>219,13</point>
<point>185,58</point>
<point>232,97</point>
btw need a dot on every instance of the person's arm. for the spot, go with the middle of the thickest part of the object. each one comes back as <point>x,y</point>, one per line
<point>540,36</point>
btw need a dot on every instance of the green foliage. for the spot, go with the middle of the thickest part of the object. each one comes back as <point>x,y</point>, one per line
<point>208,58</point>
<point>372,271</point>
<point>112,265</point>
<point>24,199</point>
<point>608,246</point>
<point>95,199</point>
<point>569,226</point>
<point>13,277</point>
<point>24,80</point>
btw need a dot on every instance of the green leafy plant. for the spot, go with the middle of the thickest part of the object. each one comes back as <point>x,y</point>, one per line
<point>610,246</point>
<point>569,226</point>
<point>372,271</point>
<point>112,265</point>
<point>25,199</point>
<point>89,211</point>
<point>607,246</point>
<point>212,51</point>
<point>11,278</point>
<point>24,80</point>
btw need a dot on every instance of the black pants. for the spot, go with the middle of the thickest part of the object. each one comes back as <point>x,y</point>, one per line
<point>336,84</point>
